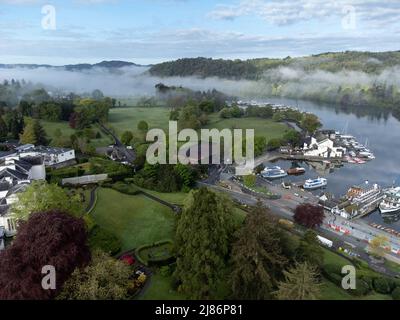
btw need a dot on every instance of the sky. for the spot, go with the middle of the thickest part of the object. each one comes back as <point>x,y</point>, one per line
<point>60,32</point>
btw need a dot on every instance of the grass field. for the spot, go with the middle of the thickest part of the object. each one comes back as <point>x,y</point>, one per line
<point>122,119</point>
<point>136,220</point>
<point>161,289</point>
<point>263,127</point>
<point>173,197</point>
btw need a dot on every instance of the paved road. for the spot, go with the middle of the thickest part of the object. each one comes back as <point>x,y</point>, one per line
<point>284,208</point>
<point>130,155</point>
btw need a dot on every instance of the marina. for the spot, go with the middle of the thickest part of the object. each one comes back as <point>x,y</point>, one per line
<point>374,160</point>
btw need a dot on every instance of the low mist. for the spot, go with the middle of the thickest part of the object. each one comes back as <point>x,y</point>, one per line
<point>135,81</point>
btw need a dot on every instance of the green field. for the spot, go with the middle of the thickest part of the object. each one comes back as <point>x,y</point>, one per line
<point>51,127</point>
<point>123,119</point>
<point>173,197</point>
<point>136,220</point>
<point>161,289</point>
<point>263,127</point>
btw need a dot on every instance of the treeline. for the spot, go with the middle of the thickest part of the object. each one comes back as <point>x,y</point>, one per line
<point>203,67</point>
<point>253,69</point>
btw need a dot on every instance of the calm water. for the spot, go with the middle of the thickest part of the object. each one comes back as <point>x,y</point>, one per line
<point>381,130</point>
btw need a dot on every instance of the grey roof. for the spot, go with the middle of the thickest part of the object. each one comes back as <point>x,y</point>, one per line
<point>4,154</point>
<point>49,150</point>
<point>13,173</point>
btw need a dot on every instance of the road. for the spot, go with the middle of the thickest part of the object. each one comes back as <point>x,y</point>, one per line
<point>129,154</point>
<point>284,208</point>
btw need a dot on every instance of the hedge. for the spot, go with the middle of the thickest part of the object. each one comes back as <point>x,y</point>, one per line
<point>155,261</point>
<point>102,239</point>
<point>382,285</point>
<point>396,293</point>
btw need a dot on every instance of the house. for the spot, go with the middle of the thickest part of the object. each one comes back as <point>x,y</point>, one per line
<point>53,157</point>
<point>323,147</point>
<point>16,173</point>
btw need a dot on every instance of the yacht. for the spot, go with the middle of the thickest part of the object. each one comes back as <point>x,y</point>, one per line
<point>315,183</point>
<point>390,204</point>
<point>273,173</point>
<point>266,169</point>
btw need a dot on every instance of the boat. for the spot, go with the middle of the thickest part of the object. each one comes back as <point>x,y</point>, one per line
<point>311,184</point>
<point>390,204</point>
<point>273,174</point>
<point>266,169</point>
<point>358,161</point>
<point>295,171</point>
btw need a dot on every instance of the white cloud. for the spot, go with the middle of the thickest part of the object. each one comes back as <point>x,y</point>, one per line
<point>282,12</point>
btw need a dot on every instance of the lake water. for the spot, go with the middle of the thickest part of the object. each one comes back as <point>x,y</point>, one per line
<point>380,129</point>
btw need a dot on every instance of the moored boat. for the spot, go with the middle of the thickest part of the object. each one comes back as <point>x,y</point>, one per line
<point>390,204</point>
<point>311,184</point>
<point>273,174</point>
<point>296,171</point>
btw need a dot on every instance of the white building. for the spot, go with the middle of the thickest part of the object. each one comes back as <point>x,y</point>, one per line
<point>52,156</point>
<point>322,148</point>
<point>16,173</point>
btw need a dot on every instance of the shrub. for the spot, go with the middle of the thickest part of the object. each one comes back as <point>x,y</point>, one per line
<point>362,288</point>
<point>333,273</point>
<point>382,285</point>
<point>396,293</point>
<point>99,238</point>
<point>126,188</point>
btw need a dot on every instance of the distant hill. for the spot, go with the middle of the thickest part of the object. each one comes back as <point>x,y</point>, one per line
<point>114,64</point>
<point>253,69</point>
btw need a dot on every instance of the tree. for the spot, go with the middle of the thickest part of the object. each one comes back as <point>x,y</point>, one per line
<point>310,123</point>
<point>105,278</point>
<point>41,196</point>
<point>143,126</point>
<point>15,123</point>
<point>257,256</point>
<point>377,245</point>
<point>34,134</point>
<point>126,137</point>
<point>202,242</point>
<point>250,180</point>
<point>292,137</point>
<point>260,144</point>
<point>47,239</point>
<point>309,249</point>
<point>301,283</point>
<point>3,128</point>
<point>309,215</point>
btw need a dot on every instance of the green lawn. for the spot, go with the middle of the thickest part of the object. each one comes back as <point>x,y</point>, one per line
<point>263,127</point>
<point>51,127</point>
<point>173,197</point>
<point>161,289</point>
<point>122,119</point>
<point>393,266</point>
<point>333,258</point>
<point>136,220</point>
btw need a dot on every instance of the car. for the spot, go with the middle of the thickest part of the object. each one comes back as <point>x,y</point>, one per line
<point>128,259</point>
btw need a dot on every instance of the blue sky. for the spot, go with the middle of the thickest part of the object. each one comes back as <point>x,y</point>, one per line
<point>150,31</point>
